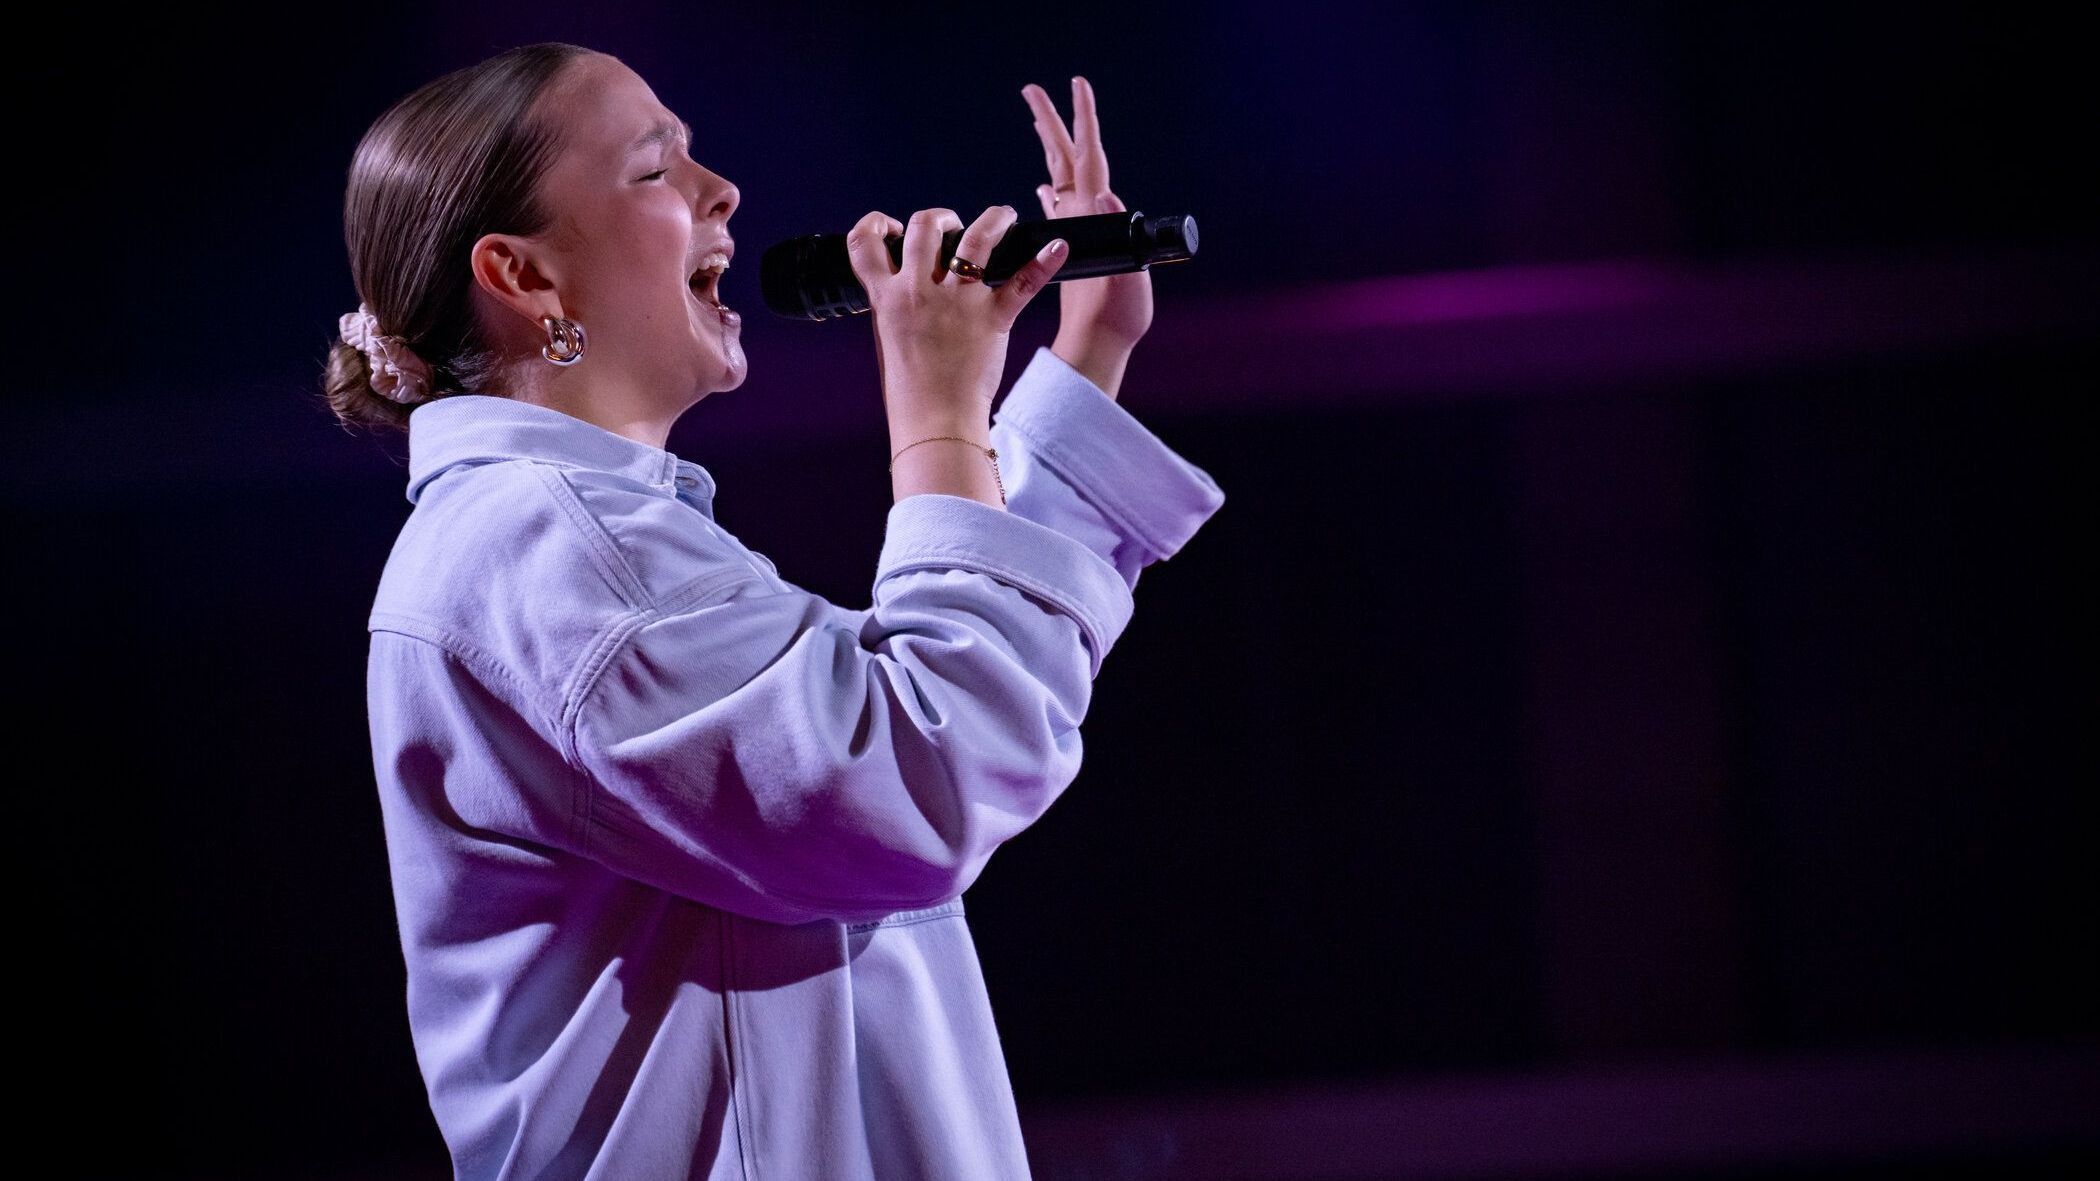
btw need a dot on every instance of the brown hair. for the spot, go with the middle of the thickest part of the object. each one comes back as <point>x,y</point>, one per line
<point>460,157</point>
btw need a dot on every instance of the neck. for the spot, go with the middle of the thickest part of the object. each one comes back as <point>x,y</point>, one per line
<point>603,401</point>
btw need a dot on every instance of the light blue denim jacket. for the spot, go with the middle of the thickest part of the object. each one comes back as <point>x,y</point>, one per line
<point>678,847</point>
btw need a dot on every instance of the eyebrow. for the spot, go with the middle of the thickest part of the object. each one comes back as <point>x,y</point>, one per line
<point>660,133</point>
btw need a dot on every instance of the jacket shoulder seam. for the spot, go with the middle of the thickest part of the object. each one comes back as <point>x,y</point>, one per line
<point>590,670</point>
<point>591,666</point>
<point>596,537</point>
<point>461,649</point>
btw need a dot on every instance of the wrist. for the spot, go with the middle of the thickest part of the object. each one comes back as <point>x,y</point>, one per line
<point>1099,359</point>
<point>906,430</point>
<point>955,465</point>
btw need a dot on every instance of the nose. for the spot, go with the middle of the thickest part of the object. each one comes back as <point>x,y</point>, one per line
<point>718,196</point>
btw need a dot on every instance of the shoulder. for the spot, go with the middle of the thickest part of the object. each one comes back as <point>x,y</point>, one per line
<point>482,531</point>
<point>537,566</point>
<point>497,567</point>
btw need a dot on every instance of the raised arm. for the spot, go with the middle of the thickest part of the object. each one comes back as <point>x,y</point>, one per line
<point>770,755</point>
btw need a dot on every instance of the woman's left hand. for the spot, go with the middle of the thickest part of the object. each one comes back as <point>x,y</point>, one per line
<point>1107,314</point>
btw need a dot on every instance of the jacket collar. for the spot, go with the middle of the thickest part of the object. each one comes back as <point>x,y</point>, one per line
<point>466,429</point>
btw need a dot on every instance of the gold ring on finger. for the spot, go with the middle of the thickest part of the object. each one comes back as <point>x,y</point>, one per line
<point>970,271</point>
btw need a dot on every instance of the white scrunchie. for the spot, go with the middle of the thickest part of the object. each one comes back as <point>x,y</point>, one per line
<point>397,372</point>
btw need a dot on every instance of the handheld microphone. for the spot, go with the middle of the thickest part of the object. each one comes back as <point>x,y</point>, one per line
<point>811,277</point>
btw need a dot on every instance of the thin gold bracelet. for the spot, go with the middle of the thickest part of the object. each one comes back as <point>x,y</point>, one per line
<point>991,453</point>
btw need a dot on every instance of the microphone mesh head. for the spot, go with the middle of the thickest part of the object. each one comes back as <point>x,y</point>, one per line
<point>811,278</point>
<point>779,282</point>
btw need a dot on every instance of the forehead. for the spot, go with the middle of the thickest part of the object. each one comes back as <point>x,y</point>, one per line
<point>602,106</point>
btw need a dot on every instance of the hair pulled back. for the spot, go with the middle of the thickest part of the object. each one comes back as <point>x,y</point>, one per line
<point>460,157</point>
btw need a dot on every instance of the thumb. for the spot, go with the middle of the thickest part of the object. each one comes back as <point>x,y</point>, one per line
<point>1015,293</point>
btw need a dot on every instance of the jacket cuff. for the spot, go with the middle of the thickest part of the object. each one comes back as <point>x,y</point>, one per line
<point>933,530</point>
<point>1141,485</point>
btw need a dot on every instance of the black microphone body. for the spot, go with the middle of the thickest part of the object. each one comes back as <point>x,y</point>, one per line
<point>811,277</point>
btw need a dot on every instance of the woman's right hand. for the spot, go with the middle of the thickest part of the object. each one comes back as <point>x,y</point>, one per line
<point>941,339</point>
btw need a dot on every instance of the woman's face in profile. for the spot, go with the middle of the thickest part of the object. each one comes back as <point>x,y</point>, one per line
<point>635,216</point>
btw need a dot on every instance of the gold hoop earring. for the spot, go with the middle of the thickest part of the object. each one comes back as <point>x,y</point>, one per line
<point>564,341</point>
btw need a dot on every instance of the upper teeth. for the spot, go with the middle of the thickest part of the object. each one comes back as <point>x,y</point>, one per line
<point>716,262</point>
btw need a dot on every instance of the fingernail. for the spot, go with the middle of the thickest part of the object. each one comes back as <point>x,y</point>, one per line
<point>1057,247</point>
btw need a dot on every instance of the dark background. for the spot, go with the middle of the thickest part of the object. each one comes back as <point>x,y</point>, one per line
<point>1669,688</point>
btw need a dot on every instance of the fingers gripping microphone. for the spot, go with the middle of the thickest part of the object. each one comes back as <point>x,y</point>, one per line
<point>811,277</point>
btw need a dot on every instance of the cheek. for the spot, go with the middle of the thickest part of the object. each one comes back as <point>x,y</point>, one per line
<point>635,267</point>
<point>661,234</point>
<point>641,253</point>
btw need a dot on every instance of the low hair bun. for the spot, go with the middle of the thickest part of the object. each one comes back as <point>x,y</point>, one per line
<point>346,383</point>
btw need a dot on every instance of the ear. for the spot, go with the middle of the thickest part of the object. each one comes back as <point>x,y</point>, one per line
<point>515,272</point>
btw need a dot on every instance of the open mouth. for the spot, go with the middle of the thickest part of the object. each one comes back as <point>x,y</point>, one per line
<point>705,281</point>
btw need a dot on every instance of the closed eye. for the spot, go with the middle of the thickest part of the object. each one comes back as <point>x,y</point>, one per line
<point>657,173</point>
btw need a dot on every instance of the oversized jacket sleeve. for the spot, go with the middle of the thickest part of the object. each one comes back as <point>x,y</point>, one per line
<point>771,754</point>
<point>785,758</point>
<point>1076,461</point>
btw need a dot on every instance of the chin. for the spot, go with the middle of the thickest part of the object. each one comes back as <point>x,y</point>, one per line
<point>720,378</point>
<point>732,374</point>
<point>736,364</point>
<point>726,361</point>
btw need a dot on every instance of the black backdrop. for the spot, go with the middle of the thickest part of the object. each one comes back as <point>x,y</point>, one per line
<point>1711,715</point>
